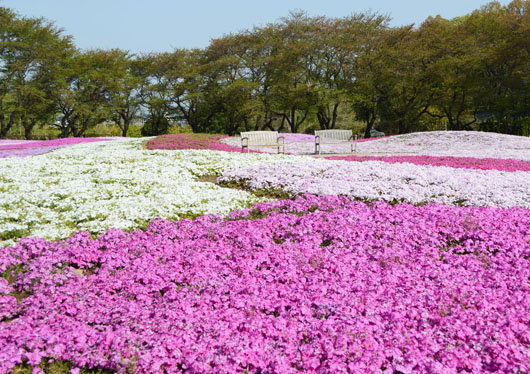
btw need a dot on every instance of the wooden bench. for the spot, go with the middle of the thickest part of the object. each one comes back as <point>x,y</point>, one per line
<point>335,137</point>
<point>262,139</point>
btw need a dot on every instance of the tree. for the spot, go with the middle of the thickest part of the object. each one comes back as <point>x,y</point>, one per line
<point>155,90</point>
<point>32,52</point>
<point>83,97</point>
<point>399,69</point>
<point>124,89</point>
<point>502,34</point>
<point>455,70</point>
<point>193,89</point>
<point>235,91</point>
<point>293,93</point>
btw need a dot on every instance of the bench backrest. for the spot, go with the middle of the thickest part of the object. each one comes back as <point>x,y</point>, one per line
<point>334,134</point>
<point>261,137</point>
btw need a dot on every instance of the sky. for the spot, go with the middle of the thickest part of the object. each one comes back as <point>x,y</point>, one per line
<point>143,26</point>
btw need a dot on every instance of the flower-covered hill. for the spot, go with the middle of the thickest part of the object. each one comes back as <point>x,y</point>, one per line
<point>417,179</point>
<point>101,185</point>
<point>434,143</point>
<point>280,289</point>
<point>452,143</point>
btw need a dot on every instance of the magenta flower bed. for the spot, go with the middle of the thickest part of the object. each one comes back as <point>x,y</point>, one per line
<point>321,285</point>
<point>191,141</point>
<point>454,162</point>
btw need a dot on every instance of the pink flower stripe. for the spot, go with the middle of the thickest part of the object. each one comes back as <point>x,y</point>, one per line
<point>191,141</point>
<point>50,143</point>
<point>454,162</point>
<point>312,285</point>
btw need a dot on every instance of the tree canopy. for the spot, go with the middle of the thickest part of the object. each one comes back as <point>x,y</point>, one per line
<point>298,74</point>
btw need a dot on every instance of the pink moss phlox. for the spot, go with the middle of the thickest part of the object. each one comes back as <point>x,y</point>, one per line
<point>316,285</point>
<point>51,143</point>
<point>454,162</point>
<point>191,141</point>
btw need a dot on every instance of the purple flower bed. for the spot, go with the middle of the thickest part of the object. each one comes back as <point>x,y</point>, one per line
<point>454,162</point>
<point>307,285</point>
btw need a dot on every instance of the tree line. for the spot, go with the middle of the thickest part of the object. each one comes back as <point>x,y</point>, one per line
<point>298,74</point>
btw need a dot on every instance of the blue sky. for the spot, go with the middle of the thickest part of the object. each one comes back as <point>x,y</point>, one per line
<point>143,26</point>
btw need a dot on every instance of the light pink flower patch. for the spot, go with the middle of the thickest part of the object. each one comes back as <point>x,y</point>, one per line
<point>24,148</point>
<point>50,143</point>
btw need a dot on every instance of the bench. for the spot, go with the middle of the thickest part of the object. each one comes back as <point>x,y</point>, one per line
<point>335,137</point>
<point>262,139</point>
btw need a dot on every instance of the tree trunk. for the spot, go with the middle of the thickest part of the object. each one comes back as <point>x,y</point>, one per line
<point>370,120</point>
<point>81,132</point>
<point>5,127</point>
<point>28,128</point>
<point>327,118</point>
<point>292,121</point>
<point>126,124</point>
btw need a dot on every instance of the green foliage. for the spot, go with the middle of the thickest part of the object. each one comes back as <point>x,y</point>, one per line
<point>525,126</point>
<point>155,126</point>
<point>298,74</point>
<point>180,130</point>
<point>50,366</point>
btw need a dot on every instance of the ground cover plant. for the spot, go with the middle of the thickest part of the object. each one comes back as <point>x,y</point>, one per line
<point>23,148</point>
<point>453,143</point>
<point>333,281</point>
<point>101,185</point>
<point>397,289</point>
<point>454,162</point>
<point>191,141</point>
<point>471,144</point>
<point>392,182</point>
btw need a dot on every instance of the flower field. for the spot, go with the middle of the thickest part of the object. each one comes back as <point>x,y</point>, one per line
<point>191,141</point>
<point>102,185</point>
<point>368,264</point>
<point>23,148</point>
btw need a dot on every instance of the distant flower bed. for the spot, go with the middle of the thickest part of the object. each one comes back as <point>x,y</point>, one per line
<point>279,289</point>
<point>191,141</point>
<point>48,143</point>
<point>23,148</point>
<point>297,144</point>
<point>454,162</point>
<point>452,143</point>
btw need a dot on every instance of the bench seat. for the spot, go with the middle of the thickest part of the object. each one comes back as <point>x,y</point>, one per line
<point>262,139</point>
<point>335,137</point>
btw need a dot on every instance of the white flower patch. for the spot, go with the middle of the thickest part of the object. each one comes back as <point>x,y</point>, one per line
<point>452,143</point>
<point>376,180</point>
<point>434,143</point>
<point>97,186</point>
